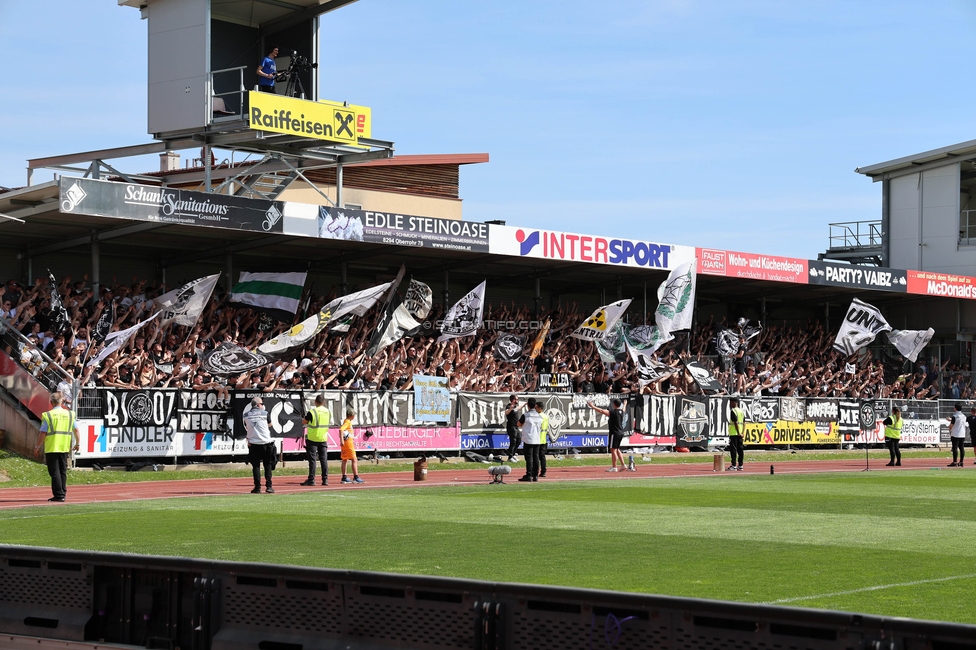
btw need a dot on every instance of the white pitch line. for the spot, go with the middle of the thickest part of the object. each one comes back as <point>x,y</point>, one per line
<point>864,589</point>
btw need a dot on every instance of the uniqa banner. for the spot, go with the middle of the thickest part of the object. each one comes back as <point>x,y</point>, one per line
<point>167,205</point>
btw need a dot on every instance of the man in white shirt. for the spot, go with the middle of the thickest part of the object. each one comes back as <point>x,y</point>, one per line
<point>957,433</point>
<point>260,445</point>
<point>531,425</point>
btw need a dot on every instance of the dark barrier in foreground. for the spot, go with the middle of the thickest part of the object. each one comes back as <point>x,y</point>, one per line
<point>161,602</point>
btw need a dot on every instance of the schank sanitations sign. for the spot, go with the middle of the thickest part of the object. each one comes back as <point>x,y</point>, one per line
<point>166,205</point>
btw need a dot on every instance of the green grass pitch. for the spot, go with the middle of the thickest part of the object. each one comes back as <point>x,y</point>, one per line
<point>882,543</point>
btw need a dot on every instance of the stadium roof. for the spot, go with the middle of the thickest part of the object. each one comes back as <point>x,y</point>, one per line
<point>910,164</point>
<point>267,14</point>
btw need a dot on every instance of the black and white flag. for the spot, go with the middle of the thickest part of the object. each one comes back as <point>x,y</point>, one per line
<point>116,340</point>
<point>702,377</point>
<point>861,325</point>
<point>60,320</point>
<point>508,347</point>
<point>183,306</point>
<point>395,323</point>
<point>231,359</point>
<point>464,318</point>
<point>649,370</point>
<point>418,300</point>
<point>910,342</point>
<point>104,325</point>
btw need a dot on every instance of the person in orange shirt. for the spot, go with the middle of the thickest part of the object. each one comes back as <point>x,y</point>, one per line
<point>348,453</point>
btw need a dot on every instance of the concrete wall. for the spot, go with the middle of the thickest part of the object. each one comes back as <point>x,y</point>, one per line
<point>21,433</point>
<point>179,63</point>
<point>923,230</point>
<point>421,206</point>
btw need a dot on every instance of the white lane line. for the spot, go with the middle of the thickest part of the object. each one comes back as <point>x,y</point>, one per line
<point>875,588</point>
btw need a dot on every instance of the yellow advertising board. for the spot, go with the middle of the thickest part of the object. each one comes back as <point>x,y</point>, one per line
<point>363,116</point>
<point>782,432</point>
<point>331,121</point>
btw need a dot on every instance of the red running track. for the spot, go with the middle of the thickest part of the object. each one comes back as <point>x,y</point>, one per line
<point>467,474</point>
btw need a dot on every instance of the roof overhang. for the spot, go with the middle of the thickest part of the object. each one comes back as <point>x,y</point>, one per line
<point>269,15</point>
<point>920,161</point>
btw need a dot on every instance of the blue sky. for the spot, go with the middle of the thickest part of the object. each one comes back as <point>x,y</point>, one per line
<point>723,124</point>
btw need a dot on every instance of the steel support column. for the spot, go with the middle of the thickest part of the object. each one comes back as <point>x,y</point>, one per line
<point>343,278</point>
<point>339,203</point>
<point>96,263</point>
<point>230,270</point>
<point>447,290</point>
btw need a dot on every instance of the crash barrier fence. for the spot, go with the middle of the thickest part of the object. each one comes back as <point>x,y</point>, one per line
<point>161,423</point>
<point>75,597</point>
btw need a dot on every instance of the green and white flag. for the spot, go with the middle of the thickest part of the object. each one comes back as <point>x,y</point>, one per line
<point>676,300</point>
<point>274,291</point>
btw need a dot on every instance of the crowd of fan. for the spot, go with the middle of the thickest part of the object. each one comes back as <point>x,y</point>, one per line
<point>780,361</point>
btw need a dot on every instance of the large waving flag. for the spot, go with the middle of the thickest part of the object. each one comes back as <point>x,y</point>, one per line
<point>464,318</point>
<point>116,340</point>
<point>601,322</point>
<point>183,306</point>
<point>862,323</point>
<point>354,304</point>
<point>676,300</point>
<point>278,293</point>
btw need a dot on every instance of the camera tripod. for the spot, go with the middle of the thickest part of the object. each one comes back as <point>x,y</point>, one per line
<point>293,85</point>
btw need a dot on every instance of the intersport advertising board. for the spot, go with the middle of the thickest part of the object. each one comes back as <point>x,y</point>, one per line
<point>595,249</point>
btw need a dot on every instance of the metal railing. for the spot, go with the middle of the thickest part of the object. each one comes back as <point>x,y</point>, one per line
<point>75,597</point>
<point>31,358</point>
<point>232,100</point>
<point>852,235</point>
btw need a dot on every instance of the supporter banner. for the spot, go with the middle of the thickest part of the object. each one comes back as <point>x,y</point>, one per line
<point>202,412</point>
<point>750,265</point>
<point>848,422</point>
<point>131,408</point>
<point>402,229</point>
<point>792,409</point>
<point>555,245</point>
<point>395,409</point>
<point>166,205</point>
<point>669,415</point>
<point>944,285</point>
<point>431,399</point>
<point>465,316</point>
<point>693,428</point>
<point>822,411</point>
<point>782,432</point>
<point>834,274</point>
<point>553,382</point>
<point>508,347</point>
<point>484,413</point>
<point>285,408</point>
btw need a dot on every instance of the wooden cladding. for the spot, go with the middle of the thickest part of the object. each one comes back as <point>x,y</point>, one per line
<point>436,181</point>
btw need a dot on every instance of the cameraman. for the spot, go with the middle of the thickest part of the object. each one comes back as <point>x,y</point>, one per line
<point>267,72</point>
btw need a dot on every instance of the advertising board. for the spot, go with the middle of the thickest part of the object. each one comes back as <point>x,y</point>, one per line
<point>834,274</point>
<point>751,266</point>
<point>594,249</point>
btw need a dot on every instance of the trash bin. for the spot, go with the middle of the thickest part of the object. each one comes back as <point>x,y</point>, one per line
<point>420,469</point>
<point>718,463</point>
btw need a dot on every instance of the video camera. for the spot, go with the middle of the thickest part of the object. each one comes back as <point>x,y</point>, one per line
<point>299,63</point>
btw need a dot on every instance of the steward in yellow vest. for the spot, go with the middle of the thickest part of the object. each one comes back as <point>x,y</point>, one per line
<point>317,422</point>
<point>737,429</point>
<point>892,429</point>
<point>59,434</point>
